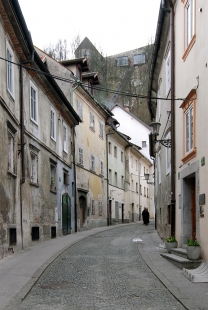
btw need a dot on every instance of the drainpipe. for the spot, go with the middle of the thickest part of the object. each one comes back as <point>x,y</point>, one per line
<point>172,122</point>
<point>108,214</point>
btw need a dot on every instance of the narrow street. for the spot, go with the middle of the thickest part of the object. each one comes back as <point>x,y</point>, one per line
<point>104,271</point>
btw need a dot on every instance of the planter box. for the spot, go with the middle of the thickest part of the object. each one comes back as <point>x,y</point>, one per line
<point>171,245</point>
<point>193,252</point>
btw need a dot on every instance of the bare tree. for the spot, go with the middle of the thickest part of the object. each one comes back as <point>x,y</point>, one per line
<point>58,51</point>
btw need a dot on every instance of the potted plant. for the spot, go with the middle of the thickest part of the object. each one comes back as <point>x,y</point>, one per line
<point>193,248</point>
<point>171,243</point>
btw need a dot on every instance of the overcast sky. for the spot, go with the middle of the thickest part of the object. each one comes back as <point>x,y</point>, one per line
<point>115,26</point>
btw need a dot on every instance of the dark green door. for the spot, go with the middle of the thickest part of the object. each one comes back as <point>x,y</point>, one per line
<point>66,214</point>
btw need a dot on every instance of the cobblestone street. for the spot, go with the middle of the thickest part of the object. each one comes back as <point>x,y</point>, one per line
<point>104,271</point>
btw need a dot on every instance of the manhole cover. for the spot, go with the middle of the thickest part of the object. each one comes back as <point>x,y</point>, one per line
<point>55,285</point>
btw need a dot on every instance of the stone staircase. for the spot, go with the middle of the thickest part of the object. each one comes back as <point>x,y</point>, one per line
<point>178,257</point>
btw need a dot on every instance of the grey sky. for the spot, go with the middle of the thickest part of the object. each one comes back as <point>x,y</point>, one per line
<point>112,25</point>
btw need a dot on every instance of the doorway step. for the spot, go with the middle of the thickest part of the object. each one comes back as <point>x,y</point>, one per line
<point>178,257</point>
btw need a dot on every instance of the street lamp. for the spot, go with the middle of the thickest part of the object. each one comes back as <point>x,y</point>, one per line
<point>146,177</point>
<point>155,126</point>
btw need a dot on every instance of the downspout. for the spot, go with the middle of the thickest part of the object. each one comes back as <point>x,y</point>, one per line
<point>172,121</point>
<point>108,213</point>
<point>74,163</point>
<point>75,180</point>
<point>22,181</point>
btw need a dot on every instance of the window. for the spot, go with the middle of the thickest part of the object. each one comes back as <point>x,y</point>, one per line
<point>10,69</point>
<point>53,124</point>
<point>53,177</point>
<point>168,73</point>
<point>122,181</point>
<point>137,187</point>
<point>115,179</point>
<point>122,156</point>
<point>79,109</point>
<point>188,107</point>
<point>144,191</point>
<point>34,168</point>
<point>65,177</point>
<point>100,206</point>
<point>92,163</point>
<point>101,168</point>
<point>33,103</point>
<point>80,156</point>
<point>65,138</point>
<point>100,130</point>
<point>116,211</point>
<point>115,151</point>
<point>190,35</point>
<point>109,148</point>
<point>132,164</point>
<point>139,59</point>
<point>92,121</point>
<point>189,21</point>
<point>92,206</point>
<point>168,156</point>
<point>110,176</point>
<point>11,147</point>
<point>136,165</point>
<point>10,151</point>
<point>132,185</point>
<point>189,128</point>
<point>159,168</point>
<point>140,189</point>
<point>122,61</point>
<point>144,144</point>
<point>147,192</point>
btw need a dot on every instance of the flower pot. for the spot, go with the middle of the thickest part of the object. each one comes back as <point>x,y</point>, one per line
<point>171,245</point>
<point>193,252</point>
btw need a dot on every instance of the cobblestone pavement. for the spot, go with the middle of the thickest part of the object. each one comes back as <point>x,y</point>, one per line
<point>104,271</point>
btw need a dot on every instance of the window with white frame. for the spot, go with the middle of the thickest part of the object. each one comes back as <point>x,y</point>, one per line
<point>122,156</point>
<point>65,177</point>
<point>168,156</point>
<point>80,156</point>
<point>144,144</point>
<point>53,124</point>
<point>115,151</point>
<point>110,176</point>
<point>34,167</point>
<point>100,206</point>
<point>79,109</point>
<point>65,138</point>
<point>168,73</point>
<point>92,206</point>
<point>189,128</point>
<point>122,181</point>
<point>101,130</point>
<point>101,168</point>
<point>115,179</point>
<point>33,103</point>
<point>92,163</point>
<point>10,151</point>
<point>53,176</point>
<point>10,69</point>
<point>189,21</point>
<point>92,121</point>
<point>159,168</point>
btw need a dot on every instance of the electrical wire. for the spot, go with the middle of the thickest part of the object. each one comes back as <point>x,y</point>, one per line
<point>99,88</point>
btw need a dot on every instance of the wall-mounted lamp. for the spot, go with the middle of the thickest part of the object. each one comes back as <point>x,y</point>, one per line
<point>155,126</point>
<point>146,177</point>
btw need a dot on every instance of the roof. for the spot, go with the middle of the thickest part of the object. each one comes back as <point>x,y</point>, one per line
<point>77,61</point>
<point>138,119</point>
<point>91,75</point>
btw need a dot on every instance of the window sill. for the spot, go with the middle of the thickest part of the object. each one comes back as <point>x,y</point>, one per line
<point>92,129</point>
<point>53,190</point>
<point>102,138</point>
<point>12,173</point>
<point>189,156</point>
<point>34,122</point>
<point>188,49</point>
<point>34,184</point>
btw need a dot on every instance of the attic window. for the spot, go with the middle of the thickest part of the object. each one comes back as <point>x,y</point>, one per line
<point>139,59</point>
<point>122,61</point>
<point>144,144</point>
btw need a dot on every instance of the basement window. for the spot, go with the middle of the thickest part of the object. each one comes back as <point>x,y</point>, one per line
<point>35,233</point>
<point>53,232</point>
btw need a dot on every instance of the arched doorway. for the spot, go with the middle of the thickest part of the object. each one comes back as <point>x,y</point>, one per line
<point>82,210</point>
<point>66,214</point>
